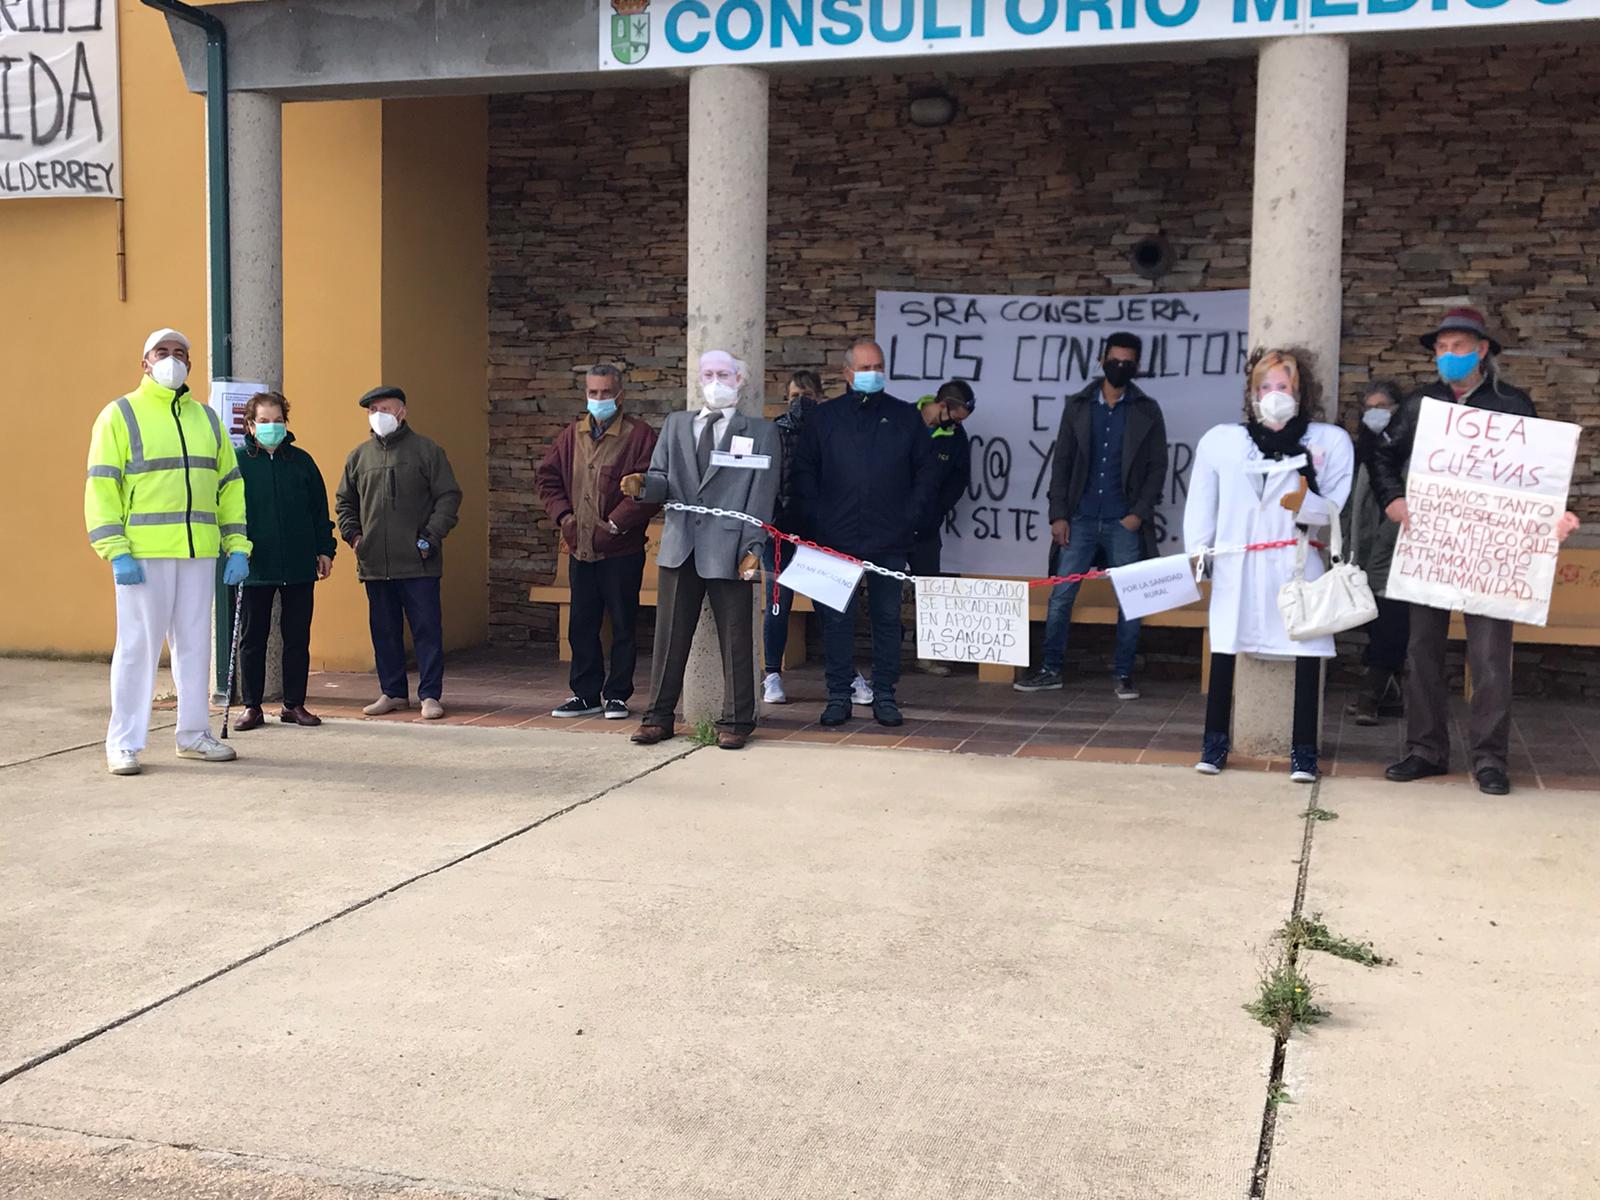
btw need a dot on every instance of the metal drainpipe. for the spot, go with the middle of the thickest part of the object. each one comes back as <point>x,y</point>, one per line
<point>216,176</point>
<point>221,264</point>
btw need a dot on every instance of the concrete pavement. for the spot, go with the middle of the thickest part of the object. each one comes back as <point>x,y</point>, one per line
<point>792,971</point>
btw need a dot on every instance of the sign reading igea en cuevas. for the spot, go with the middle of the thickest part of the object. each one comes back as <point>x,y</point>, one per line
<point>690,33</point>
<point>60,127</point>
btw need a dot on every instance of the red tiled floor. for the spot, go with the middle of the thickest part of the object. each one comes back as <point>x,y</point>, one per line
<point>1553,744</point>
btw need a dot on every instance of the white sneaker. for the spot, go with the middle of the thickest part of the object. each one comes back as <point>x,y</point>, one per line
<point>860,690</point>
<point>208,749</point>
<point>123,762</point>
<point>432,710</point>
<point>772,689</point>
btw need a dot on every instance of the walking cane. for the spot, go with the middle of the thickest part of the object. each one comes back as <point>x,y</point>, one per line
<point>233,657</point>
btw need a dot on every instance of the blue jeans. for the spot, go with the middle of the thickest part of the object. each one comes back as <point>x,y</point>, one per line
<point>1122,546</point>
<point>775,627</point>
<point>883,617</point>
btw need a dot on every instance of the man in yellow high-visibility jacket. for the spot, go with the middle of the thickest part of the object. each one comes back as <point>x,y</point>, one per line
<point>163,499</point>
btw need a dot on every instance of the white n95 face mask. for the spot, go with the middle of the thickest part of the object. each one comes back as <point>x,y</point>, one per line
<point>1376,419</point>
<point>383,424</point>
<point>719,395</point>
<point>1276,409</point>
<point>169,372</point>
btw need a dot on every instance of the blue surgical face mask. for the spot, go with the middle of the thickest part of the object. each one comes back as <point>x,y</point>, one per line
<point>270,433</point>
<point>1455,367</point>
<point>602,410</point>
<point>868,382</point>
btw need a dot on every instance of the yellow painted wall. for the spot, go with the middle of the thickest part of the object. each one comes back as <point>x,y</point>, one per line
<point>384,280</point>
<point>436,317</point>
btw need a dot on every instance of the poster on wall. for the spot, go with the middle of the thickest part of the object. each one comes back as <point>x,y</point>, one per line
<point>1484,494</point>
<point>1024,357</point>
<point>60,105</point>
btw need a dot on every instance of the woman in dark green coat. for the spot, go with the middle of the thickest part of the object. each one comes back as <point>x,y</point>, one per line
<point>286,506</point>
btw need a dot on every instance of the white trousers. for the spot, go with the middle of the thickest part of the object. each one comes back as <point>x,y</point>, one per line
<point>172,605</point>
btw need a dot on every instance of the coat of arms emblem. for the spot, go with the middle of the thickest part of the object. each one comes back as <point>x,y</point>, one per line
<point>630,30</point>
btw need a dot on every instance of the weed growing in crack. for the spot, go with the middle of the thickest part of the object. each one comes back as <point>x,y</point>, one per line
<point>1287,998</point>
<point>705,732</point>
<point>1320,814</point>
<point>1278,1093</point>
<point>1311,933</point>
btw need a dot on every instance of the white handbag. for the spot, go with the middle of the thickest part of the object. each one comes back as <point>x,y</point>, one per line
<point>1337,600</point>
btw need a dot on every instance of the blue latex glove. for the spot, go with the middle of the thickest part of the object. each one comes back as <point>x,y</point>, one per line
<point>237,568</point>
<point>125,569</point>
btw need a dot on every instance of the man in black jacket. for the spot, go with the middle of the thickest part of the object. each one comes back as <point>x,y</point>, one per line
<point>864,482</point>
<point>1106,477</point>
<point>1468,374</point>
<point>943,414</point>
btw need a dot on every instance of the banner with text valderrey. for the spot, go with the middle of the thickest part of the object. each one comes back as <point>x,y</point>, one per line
<point>698,33</point>
<point>1023,356</point>
<point>60,119</point>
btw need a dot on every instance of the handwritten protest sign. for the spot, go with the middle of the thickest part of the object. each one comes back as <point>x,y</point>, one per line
<point>826,578</point>
<point>973,620</point>
<point>60,123</point>
<point>1154,585</point>
<point>1485,493</point>
<point>1024,356</point>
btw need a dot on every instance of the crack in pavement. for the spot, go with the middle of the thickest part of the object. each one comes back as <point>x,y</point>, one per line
<point>1280,1043</point>
<point>22,762</point>
<point>39,1060</point>
<point>338,1175</point>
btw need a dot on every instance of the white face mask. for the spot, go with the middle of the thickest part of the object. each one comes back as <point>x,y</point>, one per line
<point>169,372</point>
<point>719,395</point>
<point>1376,419</point>
<point>1276,408</point>
<point>383,424</point>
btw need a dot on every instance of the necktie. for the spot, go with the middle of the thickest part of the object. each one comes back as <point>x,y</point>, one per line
<point>708,439</point>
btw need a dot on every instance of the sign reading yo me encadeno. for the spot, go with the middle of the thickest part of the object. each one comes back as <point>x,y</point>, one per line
<point>696,33</point>
<point>60,125</point>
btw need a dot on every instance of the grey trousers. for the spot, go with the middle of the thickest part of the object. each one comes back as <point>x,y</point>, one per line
<point>1428,697</point>
<point>679,594</point>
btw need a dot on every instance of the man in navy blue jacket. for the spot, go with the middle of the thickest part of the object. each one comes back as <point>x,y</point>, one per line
<point>865,479</point>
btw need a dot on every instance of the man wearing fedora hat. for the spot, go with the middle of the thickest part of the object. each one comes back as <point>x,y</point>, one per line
<point>1465,356</point>
<point>396,501</point>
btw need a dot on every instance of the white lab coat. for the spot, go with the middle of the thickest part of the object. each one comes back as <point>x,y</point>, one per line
<point>1233,501</point>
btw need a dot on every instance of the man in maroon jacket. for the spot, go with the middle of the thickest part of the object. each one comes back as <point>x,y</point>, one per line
<point>604,532</point>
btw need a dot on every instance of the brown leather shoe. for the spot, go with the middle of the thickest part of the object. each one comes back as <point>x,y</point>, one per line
<point>731,741</point>
<point>250,719</point>
<point>298,716</point>
<point>649,735</point>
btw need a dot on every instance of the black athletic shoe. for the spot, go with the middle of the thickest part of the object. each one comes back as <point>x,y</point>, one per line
<point>1411,768</point>
<point>1492,781</point>
<point>1038,681</point>
<point>886,712</point>
<point>837,712</point>
<point>1303,764</point>
<point>1124,687</point>
<point>616,710</point>
<point>576,707</point>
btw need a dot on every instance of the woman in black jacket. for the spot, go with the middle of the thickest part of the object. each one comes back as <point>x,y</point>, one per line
<point>286,507</point>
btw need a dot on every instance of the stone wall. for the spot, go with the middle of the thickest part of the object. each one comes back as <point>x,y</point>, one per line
<point>1470,176</point>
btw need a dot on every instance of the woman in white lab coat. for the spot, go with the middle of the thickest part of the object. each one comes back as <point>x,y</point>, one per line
<point>1259,481</point>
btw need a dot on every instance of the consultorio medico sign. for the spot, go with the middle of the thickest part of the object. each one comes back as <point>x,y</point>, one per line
<point>693,33</point>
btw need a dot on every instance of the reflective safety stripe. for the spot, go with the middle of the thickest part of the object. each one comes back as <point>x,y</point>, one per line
<point>241,530</point>
<point>229,477</point>
<point>105,531</point>
<point>172,518</point>
<point>195,462</point>
<point>135,438</point>
<point>104,472</point>
<point>216,424</point>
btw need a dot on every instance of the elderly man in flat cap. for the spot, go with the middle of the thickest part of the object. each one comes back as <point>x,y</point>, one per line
<point>397,500</point>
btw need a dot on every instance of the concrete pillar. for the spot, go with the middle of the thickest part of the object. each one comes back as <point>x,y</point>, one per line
<point>255,220</point>
<point>1296,244</point>
<point>727,301</point>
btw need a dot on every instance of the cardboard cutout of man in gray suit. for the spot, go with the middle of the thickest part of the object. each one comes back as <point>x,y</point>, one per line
<point>705,557</point>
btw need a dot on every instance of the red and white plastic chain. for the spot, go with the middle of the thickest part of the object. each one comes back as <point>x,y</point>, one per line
<point>779,537</point>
